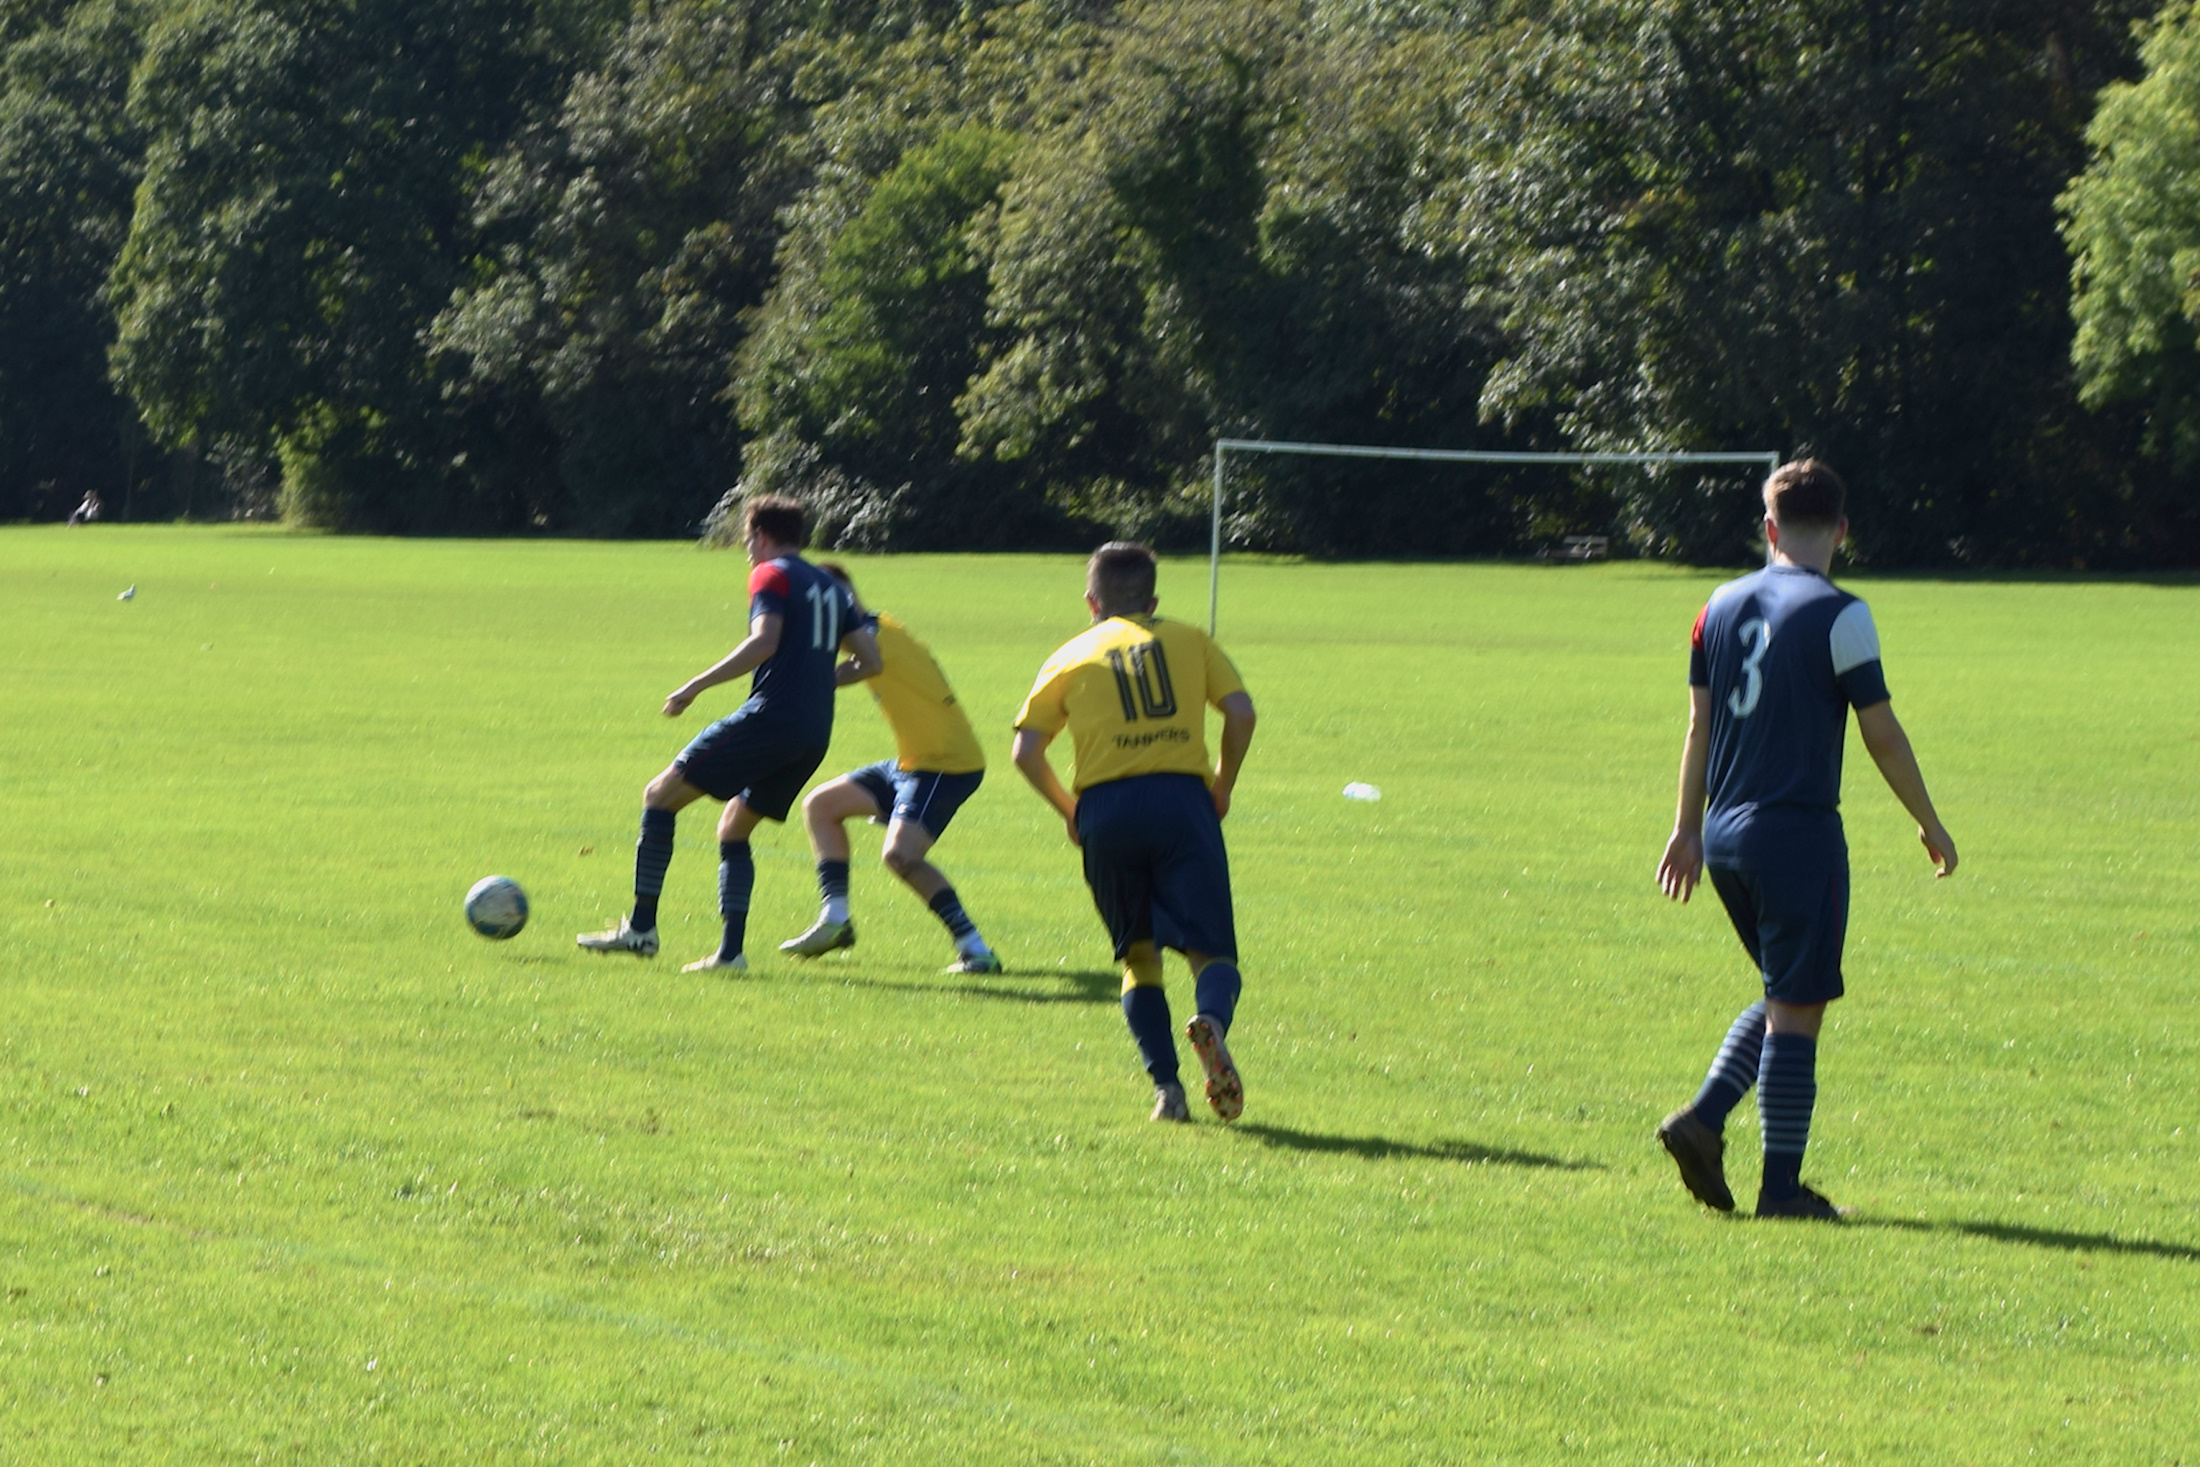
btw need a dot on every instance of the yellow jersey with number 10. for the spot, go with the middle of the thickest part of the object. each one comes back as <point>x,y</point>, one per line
<point>1133,693</point>
<point>930,729</point>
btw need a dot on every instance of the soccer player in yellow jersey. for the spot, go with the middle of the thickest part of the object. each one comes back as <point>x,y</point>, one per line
<point>937,766</point>
<point>1147,810</point>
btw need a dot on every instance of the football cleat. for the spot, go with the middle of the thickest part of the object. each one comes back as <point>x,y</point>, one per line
<point>1225,1091</point>
<point>1168,1103</point>
<point>822,938</point>
<point>1804,1204</point>
<point>1700,1152</point>
<point>739,962</point>
<point>975,963</point>
<point>620,939</point>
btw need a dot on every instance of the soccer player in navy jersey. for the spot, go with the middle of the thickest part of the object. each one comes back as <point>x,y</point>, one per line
<point>800,621</point>
<point>1133,690</point>
<point>1776,661</point>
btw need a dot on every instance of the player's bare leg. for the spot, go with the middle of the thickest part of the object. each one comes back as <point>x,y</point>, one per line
<point>662,801</point>
<point>907,845</point>
<point>1215,983</point>
<point>736,880</point>
<point>825,815</point>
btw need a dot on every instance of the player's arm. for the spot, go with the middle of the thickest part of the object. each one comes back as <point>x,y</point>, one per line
<point>1030,755</point>
<point>761,642</point>
<point>863,662</point>
<point>1890,749</point>
<point>1682,866</point>
<point>1237,737</point>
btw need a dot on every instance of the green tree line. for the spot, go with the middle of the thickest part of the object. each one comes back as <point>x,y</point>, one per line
<point>980,274</point>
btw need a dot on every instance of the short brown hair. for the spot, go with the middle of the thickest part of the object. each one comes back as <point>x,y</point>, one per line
<point>839,573</point>
<point>1120,577</point>
<point>781,520</point>
<point>1805,494</point>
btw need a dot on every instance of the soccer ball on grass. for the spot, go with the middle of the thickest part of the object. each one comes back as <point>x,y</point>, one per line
<point>496,907</point>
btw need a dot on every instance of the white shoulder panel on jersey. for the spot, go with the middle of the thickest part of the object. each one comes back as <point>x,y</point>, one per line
<point>1855,639</point>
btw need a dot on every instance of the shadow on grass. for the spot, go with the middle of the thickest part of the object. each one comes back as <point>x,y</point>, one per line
<point>1377,1148</point>
<point>1057,985</point>
<point>2038,1237</point>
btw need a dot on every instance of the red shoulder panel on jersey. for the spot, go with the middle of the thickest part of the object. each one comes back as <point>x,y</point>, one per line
<point>770,577</point>
<point>1695,638</point>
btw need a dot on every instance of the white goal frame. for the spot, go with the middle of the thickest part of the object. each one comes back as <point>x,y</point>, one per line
<point>1224,446</point>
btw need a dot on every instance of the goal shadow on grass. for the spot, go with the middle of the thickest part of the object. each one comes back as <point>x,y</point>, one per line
<point>1379,1148</point>
<point>1038,985</point>
<point>2039,1237</point>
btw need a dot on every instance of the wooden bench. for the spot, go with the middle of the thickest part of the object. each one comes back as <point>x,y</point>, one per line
<point>1581,547</point>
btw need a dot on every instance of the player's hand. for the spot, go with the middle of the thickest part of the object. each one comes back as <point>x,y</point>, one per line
<point>678,702</point>
<point>1074,838</point>
<point>1682,866</point>
<point>1940,848</point>
<point>1222,801</point>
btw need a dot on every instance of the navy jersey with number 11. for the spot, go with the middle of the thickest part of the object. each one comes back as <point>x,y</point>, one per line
<point>792,690</point>
<point>1785,654</point>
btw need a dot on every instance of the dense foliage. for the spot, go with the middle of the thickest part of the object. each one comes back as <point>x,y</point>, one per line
<point>988,274</point>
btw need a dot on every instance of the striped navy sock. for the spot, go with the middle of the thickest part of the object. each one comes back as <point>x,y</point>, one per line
<point>736,880</point>
<point>1146,1010</point>
<point>1787,1092</point>
<point>1735,1069</point>
<point>652,854</point>
<point>1216,991</point>
<point>948,908</point>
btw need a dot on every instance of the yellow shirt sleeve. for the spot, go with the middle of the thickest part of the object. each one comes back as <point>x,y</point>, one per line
<point>1222,674</point>
<point>1044,707</point>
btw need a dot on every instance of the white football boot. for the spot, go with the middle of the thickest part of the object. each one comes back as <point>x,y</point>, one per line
<point>620,939</point>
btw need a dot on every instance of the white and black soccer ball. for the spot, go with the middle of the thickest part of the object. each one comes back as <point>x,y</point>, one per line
<point>496,907</point>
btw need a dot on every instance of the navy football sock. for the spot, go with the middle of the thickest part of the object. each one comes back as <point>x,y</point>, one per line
<point>1787,1092</point>
<point>1216,991</point>
<point>1735,1069</point>
<point>948,908</point>
<point>736,879</point>
<point>1146,1010</point>
<point>652,854</point>
<point>832,880</point>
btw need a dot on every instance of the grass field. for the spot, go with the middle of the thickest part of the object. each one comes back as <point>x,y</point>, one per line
<point>297,1169</point>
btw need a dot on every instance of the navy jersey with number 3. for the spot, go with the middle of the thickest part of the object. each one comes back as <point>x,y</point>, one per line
<point>1785,654</point>
<point>793,689</point>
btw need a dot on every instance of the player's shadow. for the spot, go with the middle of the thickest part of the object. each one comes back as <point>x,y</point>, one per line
<point>1378,1148</point>
<point>2039,1237</point>
<point>1043,985</point>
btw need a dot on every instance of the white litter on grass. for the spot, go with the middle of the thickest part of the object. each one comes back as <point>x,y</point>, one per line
<point>1358,791</point>
<point>127,594</point>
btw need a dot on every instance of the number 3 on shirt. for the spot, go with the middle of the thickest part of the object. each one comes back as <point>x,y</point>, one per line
<point>1743,700</point>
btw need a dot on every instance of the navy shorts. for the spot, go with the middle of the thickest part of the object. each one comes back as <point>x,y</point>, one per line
<point>1156,865</point>
<point>1787,892</point>
<point>924,796</point>
<point>743,758</point>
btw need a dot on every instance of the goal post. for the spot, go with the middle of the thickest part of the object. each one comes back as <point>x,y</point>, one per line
<point>1225,446</point>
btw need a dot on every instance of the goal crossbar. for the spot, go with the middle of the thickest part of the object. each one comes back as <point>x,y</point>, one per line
<point>1224,446</point>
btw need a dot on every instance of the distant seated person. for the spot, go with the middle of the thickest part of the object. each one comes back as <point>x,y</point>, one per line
<point>88,511</point>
